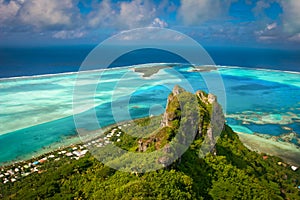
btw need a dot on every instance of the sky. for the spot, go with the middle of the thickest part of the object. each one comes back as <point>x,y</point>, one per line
<point>255,23</point>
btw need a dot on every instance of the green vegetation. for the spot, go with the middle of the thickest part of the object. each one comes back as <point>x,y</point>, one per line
<point>143,127</point>
<point>234,172</point>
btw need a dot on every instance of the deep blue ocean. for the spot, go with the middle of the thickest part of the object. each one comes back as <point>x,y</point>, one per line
<point>27,61</point>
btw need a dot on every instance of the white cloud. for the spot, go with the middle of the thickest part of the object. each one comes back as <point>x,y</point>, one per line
<point>69,34</point>
<point>267,38</point>
<point>295,38</point>
<point>136,14</point>
<point>270,32</point>
<point>159,23</point>
<point>47,13</point>
<point>194,12</point>
<point>153,34</point>
<point>8,10</point>
<point>63,19</point>
<point>259,7</point>
<point>286,28</point>
<point>271,26</point>
<point>102,14</point>
<point>125,15</point>
<point>291,15</point>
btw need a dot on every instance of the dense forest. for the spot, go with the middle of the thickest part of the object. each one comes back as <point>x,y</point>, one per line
<point>229,171</point>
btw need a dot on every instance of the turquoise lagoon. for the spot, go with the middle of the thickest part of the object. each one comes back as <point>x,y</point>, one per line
<point>36,113</point>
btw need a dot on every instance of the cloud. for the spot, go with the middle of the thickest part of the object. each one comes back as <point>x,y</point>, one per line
<point>286,28</point>
<point>291,16</point>
<point>102,15</point>
<point>125,15</point>
<point>270,32</point>
<point>267,38</point>
<point>159,23</point>
<point>295,38</point>
<point>136,14</point>
<point>8,9</point>
<point>66,19</point>
<point>271,26</point>
<point>45,13</point>
<point>260,7</point>
<point>195,12</point>
<point>166,7</point>
<point>208,20</point>
<point>69,34</point>
<point>154,34</point>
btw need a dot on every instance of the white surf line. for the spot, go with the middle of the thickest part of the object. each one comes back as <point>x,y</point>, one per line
<point>85,71</point>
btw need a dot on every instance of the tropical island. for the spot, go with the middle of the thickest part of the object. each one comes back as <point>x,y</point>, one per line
<point>229,170</point>
<point>149,71</point>
<point>88,110</point>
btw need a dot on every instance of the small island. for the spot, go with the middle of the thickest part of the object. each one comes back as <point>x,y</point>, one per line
<point>149,71</point>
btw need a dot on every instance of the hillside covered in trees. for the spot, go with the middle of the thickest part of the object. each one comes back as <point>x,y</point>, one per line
<point>227,171</point>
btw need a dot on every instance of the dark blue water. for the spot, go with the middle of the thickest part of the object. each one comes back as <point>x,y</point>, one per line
<point>57,59</point>
<point>52,60</point>
<point>279,59</point>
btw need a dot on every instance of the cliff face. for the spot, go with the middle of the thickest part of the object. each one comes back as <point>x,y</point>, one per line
<point>210,119</point>
<point>172,108</point>
<point>187,117</point>
<point>215,118</point>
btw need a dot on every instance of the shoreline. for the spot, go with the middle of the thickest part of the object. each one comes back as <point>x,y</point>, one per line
<point>288,152</point>
<point>15,170</point>
<point>73,140</point>
<point>78,139</point>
